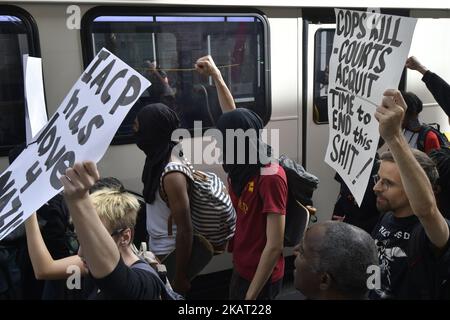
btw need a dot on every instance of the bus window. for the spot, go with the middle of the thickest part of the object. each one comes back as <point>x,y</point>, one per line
<point>164,47</point>
<point>17,37</point>
<point>323,43</point>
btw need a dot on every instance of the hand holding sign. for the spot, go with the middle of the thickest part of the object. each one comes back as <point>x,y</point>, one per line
<point>79,179</point>
<point>81,129</point>
<point>390,115</point>
<point>368,54</point>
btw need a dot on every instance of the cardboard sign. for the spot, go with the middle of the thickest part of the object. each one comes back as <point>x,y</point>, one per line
<point>368,56</point>
<point>35,111</point>
<point>81,129</point>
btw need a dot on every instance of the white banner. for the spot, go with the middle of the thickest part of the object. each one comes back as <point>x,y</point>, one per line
<point>35,111</point>
<point>368,56</point>
<point>81,129</point>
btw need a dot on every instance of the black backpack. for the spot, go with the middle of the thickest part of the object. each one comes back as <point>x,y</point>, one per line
<point>443,141</point>
<point>301,186</point>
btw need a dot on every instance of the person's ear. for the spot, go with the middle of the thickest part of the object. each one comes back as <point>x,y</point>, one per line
<point>126,237</point>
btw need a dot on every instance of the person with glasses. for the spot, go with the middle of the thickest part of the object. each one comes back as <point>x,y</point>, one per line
<point>104,223</point>
<point>412,236</point>
<point>332,262</point>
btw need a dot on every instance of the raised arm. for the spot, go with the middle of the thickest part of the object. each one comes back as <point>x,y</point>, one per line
<point>44,267</point>
<point>98,247</point>
<point>417,187</point>
<point>206,66</point>
<point>438,87</point>
<point>151,69</point>
<point>414,64</point>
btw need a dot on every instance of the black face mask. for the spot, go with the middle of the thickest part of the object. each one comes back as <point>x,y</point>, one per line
<point>240,174</point>
<point>156,125</point>
<point>141,142</point>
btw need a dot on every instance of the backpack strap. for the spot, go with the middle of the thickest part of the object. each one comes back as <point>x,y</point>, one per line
<point>151,259</point>
<point>173,167</point>
<point>423,132</point>
<point>166,293</point>
<point>425,129</point>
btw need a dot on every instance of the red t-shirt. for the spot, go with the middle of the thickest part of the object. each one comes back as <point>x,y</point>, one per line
<point>263,194</point>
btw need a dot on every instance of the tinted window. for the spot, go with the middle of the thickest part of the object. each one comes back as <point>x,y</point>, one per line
<point>323,43</point>
<point>15,41</point>
<point>164,48</point>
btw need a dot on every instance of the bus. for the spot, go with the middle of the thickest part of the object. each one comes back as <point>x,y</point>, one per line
<point>273,56</point>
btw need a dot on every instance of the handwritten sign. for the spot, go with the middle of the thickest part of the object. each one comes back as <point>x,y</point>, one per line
<point>368,56</point>
<point>81,129</point>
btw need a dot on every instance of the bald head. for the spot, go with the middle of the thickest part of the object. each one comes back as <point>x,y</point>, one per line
<point>333,261</point>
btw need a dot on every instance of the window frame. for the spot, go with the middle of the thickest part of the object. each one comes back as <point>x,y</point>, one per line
<point>315,74</point>
<point>33,46</point>
<point>88,49</point>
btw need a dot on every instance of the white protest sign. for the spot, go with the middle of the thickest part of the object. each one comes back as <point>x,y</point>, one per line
<point>81,129</point>
<point>368,56</point>
<point>35,111</point>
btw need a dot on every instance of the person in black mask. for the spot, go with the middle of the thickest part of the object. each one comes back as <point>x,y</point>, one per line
<point>153,128</point>
<point>258,190</point>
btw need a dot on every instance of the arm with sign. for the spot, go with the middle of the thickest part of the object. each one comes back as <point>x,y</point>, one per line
<point>415,182</point>
<point>104,222</point>
<point>44,266</point>
<point>98,247</point>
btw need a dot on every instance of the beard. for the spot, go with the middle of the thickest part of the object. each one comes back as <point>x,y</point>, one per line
<point>383,204</point>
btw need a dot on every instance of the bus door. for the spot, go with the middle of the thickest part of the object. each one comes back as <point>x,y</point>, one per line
<point>317,50</point>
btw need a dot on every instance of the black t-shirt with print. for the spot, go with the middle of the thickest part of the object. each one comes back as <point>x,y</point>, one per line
<point>410,269</point>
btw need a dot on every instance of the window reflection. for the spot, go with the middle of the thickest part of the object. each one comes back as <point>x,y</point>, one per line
<point>164,48</point>
<point>13,45</point>
<point>323,43</point>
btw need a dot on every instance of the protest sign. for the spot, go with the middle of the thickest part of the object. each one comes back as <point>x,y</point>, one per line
<point>81,129</point>
<point>35,111</point>
<point>368,56</point>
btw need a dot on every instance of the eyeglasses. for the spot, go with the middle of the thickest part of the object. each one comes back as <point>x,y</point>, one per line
<point>118,231</point>
<point>385,184</point>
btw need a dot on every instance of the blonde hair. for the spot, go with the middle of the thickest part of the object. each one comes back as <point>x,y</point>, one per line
<point>116,209</point>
